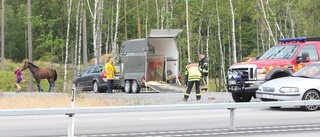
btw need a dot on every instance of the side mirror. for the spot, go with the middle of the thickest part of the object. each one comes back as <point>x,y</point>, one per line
<point>257,57</point>
<point>303,58</point>
<point>78,75</point>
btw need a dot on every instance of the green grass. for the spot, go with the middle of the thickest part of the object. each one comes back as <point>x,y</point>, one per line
<point>8,78</point>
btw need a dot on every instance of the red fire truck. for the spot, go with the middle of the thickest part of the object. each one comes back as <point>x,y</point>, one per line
<point>281,60</point>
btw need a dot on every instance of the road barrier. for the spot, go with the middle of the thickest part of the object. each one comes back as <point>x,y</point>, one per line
<point>176,107</point>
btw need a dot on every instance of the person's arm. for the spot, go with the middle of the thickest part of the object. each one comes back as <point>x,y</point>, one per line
<point>115,70</point>
<point>205,67</point>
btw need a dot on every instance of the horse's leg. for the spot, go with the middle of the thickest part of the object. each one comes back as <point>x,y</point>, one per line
<point>38,85</point>
<point>50,87</point>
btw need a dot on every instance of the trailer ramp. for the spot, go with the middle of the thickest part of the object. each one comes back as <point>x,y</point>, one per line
<point>161,86</point>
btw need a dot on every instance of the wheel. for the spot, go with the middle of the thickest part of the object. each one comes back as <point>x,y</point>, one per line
<point>135,87</point>
<point>241,97</point>
<point>96,87</point>
<point>311,95</point>
<point>127,86</point>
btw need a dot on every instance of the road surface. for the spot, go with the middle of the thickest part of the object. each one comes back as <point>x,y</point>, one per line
<point>259,122</point>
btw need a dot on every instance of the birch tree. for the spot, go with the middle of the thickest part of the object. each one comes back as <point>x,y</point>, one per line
<point>138,18</point>
<point>125,18</point>
<point>233,35</point>
<point>77,40</point>
<point>157,11</point>
<point>30,43</point>
<point>147,10</point>
<point>114,45</point>
<point>200,47</point>
<point>95,32</point>
<point>188,35</point>
<point>84,34</point>
<point>267,22</point>
<point>222,59</point>
<point>2,36</point>
<point>80,34</point>
<point>67,45</point>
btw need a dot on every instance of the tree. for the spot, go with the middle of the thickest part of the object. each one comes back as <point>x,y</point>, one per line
<point>67,45</point>
<point>233,35</point>
<point>30,43</point>
<point>114,47</point>
<point>188,34</point>
<point>2,36</point>
<point>84,33</point>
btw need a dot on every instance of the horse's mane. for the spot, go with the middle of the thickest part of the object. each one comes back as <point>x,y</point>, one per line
<point>32,65</point>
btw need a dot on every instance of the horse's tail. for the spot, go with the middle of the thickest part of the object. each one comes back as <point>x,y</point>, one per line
<point>55,75</point>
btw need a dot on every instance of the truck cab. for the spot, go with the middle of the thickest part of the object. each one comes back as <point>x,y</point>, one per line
<point>150,59</point>
<point>281,60</point>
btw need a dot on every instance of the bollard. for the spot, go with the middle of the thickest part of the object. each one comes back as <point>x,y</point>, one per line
<point>232,119</point>
<point>71,116</point>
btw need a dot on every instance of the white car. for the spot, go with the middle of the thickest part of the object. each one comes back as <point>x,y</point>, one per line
<point>302,85</point>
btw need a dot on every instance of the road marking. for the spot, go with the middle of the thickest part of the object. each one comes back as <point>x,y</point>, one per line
<point>215,132</point>
<point>171,118</point>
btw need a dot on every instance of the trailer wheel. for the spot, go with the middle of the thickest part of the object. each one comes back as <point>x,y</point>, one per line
<point>127,86</point>
<point>135,87</point>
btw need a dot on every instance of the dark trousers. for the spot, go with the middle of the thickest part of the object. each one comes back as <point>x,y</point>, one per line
<point>205,75</point>
<point>110,85</point>
<point>190,85</point>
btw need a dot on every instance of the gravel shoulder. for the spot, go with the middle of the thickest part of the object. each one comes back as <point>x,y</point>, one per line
<point>143,98</point>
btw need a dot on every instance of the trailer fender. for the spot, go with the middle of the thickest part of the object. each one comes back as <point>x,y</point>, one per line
<point>278,72</point>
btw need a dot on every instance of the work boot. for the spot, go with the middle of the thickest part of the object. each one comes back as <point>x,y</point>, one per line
<point>185,100</point>
<point>198,97</point>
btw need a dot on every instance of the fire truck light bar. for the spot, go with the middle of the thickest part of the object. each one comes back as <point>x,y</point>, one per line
<point>298,39</point>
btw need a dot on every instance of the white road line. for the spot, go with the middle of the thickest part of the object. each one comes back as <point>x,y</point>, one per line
<point>289,128</point>
<point>171,118</point>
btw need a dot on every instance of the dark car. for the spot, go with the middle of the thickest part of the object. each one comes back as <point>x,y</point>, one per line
<point>90,79</point>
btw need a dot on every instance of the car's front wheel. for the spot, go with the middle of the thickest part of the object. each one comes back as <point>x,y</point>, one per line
<point>311,95</point>
<point>96,87</point>
<point>241,97</point>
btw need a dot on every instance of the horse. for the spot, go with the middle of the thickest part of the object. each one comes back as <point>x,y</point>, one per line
<point>42,73</point>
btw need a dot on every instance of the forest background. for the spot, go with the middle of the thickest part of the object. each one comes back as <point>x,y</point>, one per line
<point>67,34</point>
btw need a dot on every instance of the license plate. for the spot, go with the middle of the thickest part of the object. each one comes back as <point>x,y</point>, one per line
<point>266,96</point>
<point>232,82</point>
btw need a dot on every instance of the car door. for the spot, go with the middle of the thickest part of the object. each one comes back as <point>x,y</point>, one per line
<point>313,54</point>
<point>80,81</point>
<point>88,78</point>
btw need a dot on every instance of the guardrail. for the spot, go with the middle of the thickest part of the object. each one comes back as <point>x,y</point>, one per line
<point>84,110</point>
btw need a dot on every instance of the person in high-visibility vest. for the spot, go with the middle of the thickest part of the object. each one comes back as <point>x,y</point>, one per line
<point>204,68</point>
<point>193,75</point>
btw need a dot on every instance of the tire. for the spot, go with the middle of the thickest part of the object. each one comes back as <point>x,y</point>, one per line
<point>241,97</point>
<point>95,87</point>
<point>127,86</point>
<point>311,95</point>
<point>135,87</point>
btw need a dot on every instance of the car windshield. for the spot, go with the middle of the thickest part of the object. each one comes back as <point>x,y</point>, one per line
<point>280,52</point>
<point>309,71</point>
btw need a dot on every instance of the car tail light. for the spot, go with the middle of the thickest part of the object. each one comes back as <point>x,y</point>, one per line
<point>103,75</point>
<point>143,80</point>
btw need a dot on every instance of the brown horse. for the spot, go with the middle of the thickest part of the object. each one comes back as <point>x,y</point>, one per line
<point>42,73</point>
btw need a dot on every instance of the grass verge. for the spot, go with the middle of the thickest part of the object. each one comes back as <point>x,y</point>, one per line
<point>58,101</point>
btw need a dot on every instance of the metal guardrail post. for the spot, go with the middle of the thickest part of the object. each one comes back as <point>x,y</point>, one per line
<point>232,119</point>
<point>71,116</point>
<point>71,125</point>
